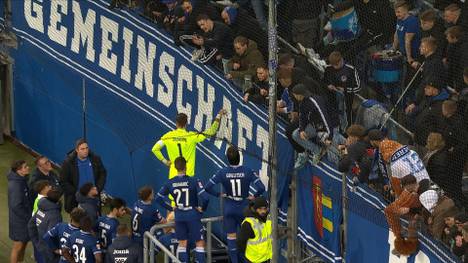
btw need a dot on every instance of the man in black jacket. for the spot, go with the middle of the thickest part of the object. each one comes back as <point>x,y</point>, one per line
<point>80,167</point>
<point>243,24</point>
<point>315,130</point>
<point>456,56</point>
<point>432,26</point>
<point>216,40</point>
<point>44,171</point>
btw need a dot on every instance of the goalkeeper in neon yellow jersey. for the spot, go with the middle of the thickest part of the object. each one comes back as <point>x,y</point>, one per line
<point>181,142</point>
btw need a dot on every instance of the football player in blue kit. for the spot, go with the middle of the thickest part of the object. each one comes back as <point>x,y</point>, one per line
<point>57,237</point>
<point>190,201</point>
<point>83,245</point>
<point>240,185</point>
<point>107,225</point>
<point>145,214</point>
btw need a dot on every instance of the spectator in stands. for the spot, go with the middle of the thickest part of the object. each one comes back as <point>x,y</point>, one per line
<point>358,154</point>
<point>187,13</point>
<point>305,16</point>
<point>43,171</point>
<point>245,60</point>
<point>87,198</point>
<point>454,133</point>
<point>432,26</point>
<point>80,167</point>
<point>375,18</point>
<point>154,10</point>
<point>41,187</point>
<point>407,35</point>
<point>342,79</point>
<point>242,24</point>
<point>315,131</point>
<point>427,114</point>
<point>47,216</point>
<point>378,176</point>
<point>169,15</point>
<point>145,214</point>
<point>107,225</point>
<point>433,69</point>
<point>216,40</point>
<point>259,91</point>
<point>457,56</point>
<point>123,249</point>
<point>463,99</point>
<point>19,209</point>
<point>437,207</point>
<point>436,160</point>
<point>454,17</point>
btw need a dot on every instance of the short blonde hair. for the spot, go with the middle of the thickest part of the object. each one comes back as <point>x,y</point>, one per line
<point>334,58</point>
<point>435,141</point>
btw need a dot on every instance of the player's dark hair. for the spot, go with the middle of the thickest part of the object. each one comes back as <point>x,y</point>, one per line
<point>77,214</point>
<point>233,155</point>
<point>79,142</point>
<point>16,165</point>
<point>84,190</point>
<point>145,192</point>
<point>117,203</point>
<point>180,164</point>
<point>54,195</point>
<point>123,230</point>
<point>40,185</point>
<point>86,224</point>
<point>407,180</point>
<point>181,120</point>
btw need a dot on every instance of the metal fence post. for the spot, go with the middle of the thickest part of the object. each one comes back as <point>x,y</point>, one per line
<point>151,251</point>
<point>208,240</point>
<point>145,249</point>
<point>344,204</point>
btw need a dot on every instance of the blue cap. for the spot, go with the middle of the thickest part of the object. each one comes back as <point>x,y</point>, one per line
<point>232,13</point>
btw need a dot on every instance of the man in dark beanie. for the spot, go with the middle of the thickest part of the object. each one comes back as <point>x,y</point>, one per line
<point>315,128</point>
<point>254,240</point>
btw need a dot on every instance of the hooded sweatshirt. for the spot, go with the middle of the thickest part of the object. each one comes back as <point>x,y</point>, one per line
<point>90,205</point>
<point>249,61</point>
<point>124,248</point>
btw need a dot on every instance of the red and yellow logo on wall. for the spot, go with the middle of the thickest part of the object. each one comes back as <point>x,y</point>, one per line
<point>322,207</point>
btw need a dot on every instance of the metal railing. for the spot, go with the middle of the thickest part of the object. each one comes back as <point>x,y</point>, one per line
<point>150,241</point>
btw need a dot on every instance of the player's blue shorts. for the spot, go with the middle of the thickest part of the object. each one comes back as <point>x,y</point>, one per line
<point>233,216</point>
<point>189,230</point>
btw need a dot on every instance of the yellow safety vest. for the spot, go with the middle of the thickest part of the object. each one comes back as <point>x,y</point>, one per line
<point>259,249</point>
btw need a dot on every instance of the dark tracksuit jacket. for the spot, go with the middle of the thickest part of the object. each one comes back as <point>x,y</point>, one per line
<point>19,207</point>
<point>47,216</point>
<point>312,110</point>
<point>221,38</point>
<point>52,178</point>
<point>124,248</point>
<point>90,205</point>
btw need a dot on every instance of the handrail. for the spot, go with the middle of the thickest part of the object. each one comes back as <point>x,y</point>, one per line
<point>149,235</point>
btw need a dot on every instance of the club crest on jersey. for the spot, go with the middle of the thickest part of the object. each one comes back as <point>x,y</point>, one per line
<point>344,78</point>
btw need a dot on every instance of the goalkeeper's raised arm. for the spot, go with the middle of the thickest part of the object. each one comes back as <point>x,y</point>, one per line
<point>181,142</point>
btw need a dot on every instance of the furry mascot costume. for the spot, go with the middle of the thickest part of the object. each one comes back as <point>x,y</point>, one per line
<point>399,156</point>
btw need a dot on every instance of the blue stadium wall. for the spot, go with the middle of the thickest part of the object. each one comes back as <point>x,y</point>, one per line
<point>135,81</point>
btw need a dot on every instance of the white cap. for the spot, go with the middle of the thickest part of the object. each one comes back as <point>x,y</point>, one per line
<point>429,199</point>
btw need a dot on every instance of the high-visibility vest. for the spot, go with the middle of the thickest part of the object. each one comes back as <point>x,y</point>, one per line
<point>259,248</point>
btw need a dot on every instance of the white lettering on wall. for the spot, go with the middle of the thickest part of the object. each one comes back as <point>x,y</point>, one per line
<point>244,130</point>
<point>125,72</point>
<point>56,31</point>
<point>107,59</point>
<point>34,15</point>
<point>185,76</point>
<point>145,65</point>
<point>205,106</point>
<point>166,87</point>
<point>83,31</point>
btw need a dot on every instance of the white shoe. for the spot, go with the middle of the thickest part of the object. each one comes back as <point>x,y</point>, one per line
<point>224,2</point>
<point>197,53</point>
<point>301,160</point>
